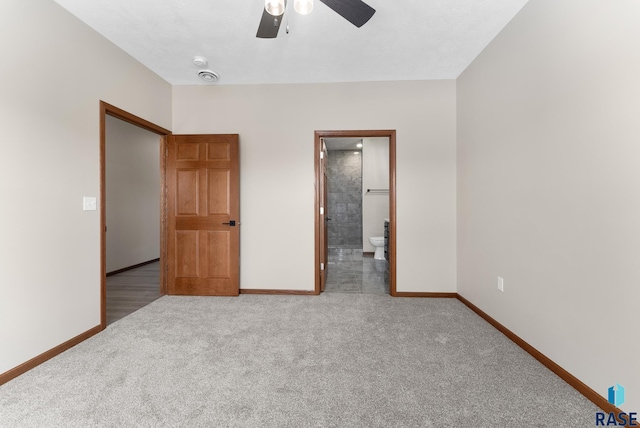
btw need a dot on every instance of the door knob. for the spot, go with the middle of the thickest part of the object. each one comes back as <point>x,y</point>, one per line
<point>231,223</point>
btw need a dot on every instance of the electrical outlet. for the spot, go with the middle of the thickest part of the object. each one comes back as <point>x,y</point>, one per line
<point>501,284</point>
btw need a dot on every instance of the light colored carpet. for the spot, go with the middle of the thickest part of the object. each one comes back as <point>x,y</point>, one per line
<point>336,360</point>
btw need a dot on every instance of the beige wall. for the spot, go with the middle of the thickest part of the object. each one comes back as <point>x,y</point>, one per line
<point>53,72</point>
<point>132,194</point>
<point>375,175</point>
<point>276,125</point>
<point>549,185</point>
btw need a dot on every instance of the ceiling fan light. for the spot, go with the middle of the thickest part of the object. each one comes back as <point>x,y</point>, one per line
<point>274,7</point>
<point>303,7</point>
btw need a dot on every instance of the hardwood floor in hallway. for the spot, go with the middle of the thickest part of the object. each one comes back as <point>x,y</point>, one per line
<point>131,290</point>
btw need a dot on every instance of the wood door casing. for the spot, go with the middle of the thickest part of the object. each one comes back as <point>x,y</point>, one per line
<point>203,197</point>
<point>324,236</point>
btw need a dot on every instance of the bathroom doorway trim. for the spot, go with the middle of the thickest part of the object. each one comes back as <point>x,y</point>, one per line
<point>391,134</point>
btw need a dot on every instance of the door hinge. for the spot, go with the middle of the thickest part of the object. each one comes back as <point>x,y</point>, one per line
<point>321,155</point>
<point>321,266</point>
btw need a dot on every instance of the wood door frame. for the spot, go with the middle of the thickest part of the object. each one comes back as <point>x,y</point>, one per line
<point>391,134</point>
<point>110,110</point>
<point>324,226</point>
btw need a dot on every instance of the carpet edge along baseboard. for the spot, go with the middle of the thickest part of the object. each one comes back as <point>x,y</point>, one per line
<point>47,355</point>
<point>573,381</point>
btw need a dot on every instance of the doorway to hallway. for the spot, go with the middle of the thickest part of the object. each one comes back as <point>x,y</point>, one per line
<point>200,180</point>
<point>110,115</point>
<point>132,204</point>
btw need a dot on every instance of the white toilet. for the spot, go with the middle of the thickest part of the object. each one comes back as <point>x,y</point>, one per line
<point>378,242</point>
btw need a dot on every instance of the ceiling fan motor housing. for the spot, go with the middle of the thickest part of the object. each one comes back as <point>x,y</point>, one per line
<point>355,11</point>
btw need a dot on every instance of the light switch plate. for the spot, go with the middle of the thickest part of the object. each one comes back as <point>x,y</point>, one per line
<point>89,203</point>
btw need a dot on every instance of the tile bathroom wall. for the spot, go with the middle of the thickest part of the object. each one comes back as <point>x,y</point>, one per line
<point>344,194</point>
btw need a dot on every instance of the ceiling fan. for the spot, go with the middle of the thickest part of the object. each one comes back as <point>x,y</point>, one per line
<point>355,11</point>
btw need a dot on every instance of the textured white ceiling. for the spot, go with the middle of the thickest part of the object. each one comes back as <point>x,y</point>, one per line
<point>404,40</point>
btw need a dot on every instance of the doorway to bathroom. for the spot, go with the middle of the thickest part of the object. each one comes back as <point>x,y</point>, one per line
<point>355,211</point>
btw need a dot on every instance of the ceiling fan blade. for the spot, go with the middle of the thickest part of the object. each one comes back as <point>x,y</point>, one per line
<point>356,12</point>
<point>269,25</point>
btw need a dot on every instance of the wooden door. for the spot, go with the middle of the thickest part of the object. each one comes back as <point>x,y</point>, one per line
<point>324,241</point>
<point>203,202</point>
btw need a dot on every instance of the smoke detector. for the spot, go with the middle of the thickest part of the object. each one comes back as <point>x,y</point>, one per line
<point>200,61</point>
<point>208,76</point>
